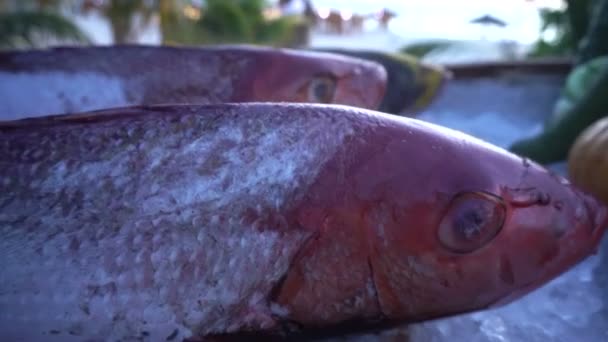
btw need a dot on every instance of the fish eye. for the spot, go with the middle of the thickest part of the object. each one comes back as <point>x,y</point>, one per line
<point>471,221</point>
<point>321,89</point>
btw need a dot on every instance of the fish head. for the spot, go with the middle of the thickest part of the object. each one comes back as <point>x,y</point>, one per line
<point>466,225</point>
<point>289,75</point>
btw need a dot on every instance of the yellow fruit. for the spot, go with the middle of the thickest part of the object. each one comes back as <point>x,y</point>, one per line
<point>588,160</point>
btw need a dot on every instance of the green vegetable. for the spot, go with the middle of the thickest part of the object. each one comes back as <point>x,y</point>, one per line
<point>579,82</point>
<point>554,143</point>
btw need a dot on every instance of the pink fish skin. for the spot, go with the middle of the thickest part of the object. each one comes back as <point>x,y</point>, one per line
<point>188,222</point>
<point>75,79</point>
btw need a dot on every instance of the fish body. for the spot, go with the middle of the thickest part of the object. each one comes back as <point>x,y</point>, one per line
<point>76,79</point>
<point>184,222</point>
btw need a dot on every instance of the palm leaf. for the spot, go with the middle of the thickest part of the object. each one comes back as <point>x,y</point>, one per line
<point>34,28</point>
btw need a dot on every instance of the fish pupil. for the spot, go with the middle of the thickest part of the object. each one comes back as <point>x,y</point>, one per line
<point>321,90</point>
<point>472,220</point>
<point>470,224</point>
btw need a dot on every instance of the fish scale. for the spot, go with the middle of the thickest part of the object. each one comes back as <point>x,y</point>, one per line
<point>185,221</point>
<point>182,219</point>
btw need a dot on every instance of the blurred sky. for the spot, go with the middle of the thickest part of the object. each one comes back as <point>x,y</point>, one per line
<point>421,19</point>
<point>416,19</point>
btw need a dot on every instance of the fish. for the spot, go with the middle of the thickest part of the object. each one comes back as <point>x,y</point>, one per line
<point>203,222</point>
<point>64,80</point>
<point>412,84</point>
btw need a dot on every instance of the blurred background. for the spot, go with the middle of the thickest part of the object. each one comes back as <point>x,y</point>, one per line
<point>437,30</point>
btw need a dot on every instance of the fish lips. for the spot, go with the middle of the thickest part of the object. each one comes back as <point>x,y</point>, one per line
<point>575,243</point>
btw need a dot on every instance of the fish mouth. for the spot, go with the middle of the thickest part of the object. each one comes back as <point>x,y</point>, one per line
<point>596,212</point>
<point>587,235</point>
<point>598,218</point>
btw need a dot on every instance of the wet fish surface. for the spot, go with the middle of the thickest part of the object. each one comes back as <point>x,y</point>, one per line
<point>75,79</point>
<point>184,222</point>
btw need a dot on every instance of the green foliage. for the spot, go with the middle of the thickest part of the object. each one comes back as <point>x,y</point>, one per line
<point>422,49</point>
<point>594,43</point>
<point>578,14</point>
<point>563,43</point>
<point>174,27</point>
<point>241,21</point>
<point>220,21</point>
<point>571,25</point>
<point>35,28</point>
<point>227,21</point>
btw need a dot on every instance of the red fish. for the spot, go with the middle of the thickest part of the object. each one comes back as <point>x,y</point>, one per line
<point>66,80</point>
<point>182,222</point>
